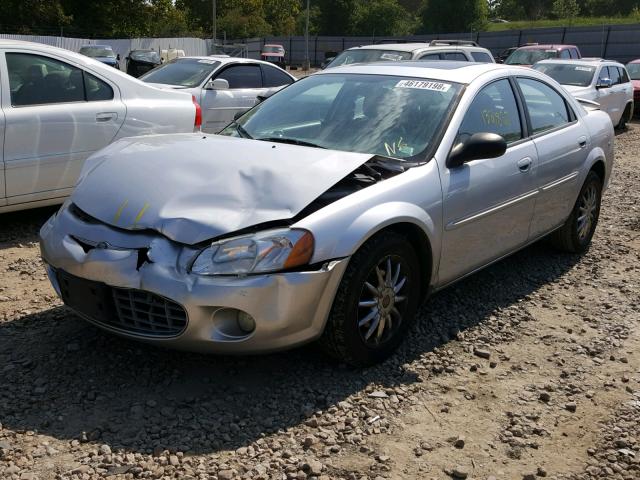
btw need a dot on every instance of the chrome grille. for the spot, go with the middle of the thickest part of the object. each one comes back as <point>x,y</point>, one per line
<point>145,313</point>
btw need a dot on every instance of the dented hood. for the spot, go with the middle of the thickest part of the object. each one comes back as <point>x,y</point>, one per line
<point>193,187</point>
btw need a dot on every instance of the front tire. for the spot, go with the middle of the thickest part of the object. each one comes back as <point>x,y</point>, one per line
<point>576,233</point>
<point>376,302</point>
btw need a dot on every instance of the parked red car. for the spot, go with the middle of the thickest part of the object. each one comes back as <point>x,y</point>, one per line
<point>530,54</point>
<point>634,72</point>
<point>273,53</point>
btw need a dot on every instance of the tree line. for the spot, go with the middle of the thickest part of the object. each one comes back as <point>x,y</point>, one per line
<point>257,18</point>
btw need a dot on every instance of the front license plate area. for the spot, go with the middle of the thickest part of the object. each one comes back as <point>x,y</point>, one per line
<point>89,298</point>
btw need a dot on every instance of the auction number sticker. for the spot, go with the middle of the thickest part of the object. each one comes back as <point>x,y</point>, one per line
<point>424,85</point>
<point>584,69</point>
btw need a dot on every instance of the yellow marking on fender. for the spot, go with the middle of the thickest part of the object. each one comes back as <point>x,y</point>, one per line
<point>119,211</point>
<point>140,214</point>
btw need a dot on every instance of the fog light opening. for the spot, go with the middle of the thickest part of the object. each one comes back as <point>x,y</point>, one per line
<point>246,322</point>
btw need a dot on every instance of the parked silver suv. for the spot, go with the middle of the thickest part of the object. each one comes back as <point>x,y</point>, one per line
<point>330,210</point>
<point>457,50</point>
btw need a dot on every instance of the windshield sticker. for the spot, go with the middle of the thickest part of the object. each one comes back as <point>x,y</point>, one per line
<point>391,56</point>
<point>398,147</point>
<point>584,69</point>
<point>210,62</point>
<point>424,85</point>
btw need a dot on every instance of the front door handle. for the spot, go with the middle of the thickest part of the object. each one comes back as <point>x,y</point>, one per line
<point>106,116</point>
<point>525,164</point>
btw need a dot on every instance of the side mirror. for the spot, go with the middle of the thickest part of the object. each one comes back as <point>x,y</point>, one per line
<point>603,83</point>
<point>476,147</point>
<point>217,84</point>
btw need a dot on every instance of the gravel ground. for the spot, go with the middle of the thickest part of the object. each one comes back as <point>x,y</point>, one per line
<point>526,370</point>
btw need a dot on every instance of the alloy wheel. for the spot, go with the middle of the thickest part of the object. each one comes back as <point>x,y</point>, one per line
<point>382,302</point>
<point>587,211</point>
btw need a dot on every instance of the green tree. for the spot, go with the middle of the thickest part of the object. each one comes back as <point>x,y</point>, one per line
<point>454,16</point>
<point>337,17</point>
<point>33,16</point>
<point>383,17</point>
<point>282,15</point>
<point>566,9</point>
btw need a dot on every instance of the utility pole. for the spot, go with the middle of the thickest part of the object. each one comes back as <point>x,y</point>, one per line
<point>306,40</point>
<point>214,32</point>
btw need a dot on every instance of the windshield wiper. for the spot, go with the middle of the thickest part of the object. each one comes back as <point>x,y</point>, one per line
<point>241,131</point>
<point>292,141</point>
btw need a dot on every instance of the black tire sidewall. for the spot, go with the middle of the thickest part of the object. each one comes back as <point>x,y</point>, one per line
<point>387,245</point>
<point>581,245</point>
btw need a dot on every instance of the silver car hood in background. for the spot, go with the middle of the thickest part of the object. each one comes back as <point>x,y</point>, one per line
<point>193,187</point>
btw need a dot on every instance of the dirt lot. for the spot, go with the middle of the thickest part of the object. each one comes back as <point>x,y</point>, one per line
<point>528,369</point>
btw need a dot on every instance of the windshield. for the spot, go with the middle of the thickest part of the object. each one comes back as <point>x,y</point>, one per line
<point>183,72</point>
<point>272,49</point>
<point>529,56</point>
<point>634,70</point>
<point>566,74</point>
<point>366,55</point>
<point>149,56</point>
<point>375,114</point>
<point>97,52</point>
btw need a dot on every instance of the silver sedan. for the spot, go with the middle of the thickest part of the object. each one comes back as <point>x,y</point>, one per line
<point>224,86</point>
<point>58,107</point>
<point>329,211</point>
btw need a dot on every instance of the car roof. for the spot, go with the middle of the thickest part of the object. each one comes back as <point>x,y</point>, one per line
<point>449,71</point>
<point>589,62</point>
<point>547,47</point>
<point>99,46</point>
<point>637,60</point>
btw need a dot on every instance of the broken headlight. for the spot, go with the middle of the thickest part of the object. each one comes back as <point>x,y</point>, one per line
<point>263,252</point>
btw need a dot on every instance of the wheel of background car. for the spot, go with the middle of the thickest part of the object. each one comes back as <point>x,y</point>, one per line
<point>575,235</point>
<point>375,303</point>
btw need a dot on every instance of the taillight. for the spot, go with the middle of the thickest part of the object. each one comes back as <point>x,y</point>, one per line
<point>197,123</point>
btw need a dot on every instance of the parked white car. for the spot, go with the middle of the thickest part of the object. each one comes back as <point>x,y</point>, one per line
<point>58,107</point>
<point>603,81</point>
<point>224,86</point>
<point>456,50</point>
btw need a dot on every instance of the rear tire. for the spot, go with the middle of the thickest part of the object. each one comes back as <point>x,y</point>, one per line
<point>576,233</point>
<point>376,302</point>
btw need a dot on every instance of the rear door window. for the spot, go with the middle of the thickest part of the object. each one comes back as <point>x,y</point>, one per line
<point>624,76</point>
<point>574,53</point>
<point>242,76</point>
<point>614,75</point>
<point>494,110</point>
<point>482,57</point>
<point>457,56</point>
<point>547,108</point>
<point>565,54</point>
<point>431,56</point>
<point>273,77</point>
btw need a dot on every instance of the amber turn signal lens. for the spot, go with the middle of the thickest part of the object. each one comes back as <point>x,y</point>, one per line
<point>301,252</point>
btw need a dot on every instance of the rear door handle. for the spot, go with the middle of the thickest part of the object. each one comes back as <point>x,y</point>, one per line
<point>106,116</point>
<point>525,164</point>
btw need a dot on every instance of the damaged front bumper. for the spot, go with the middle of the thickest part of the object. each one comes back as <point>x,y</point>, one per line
<point>137,284</point>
